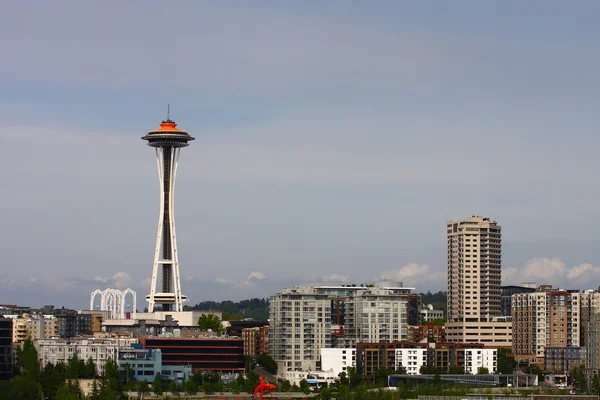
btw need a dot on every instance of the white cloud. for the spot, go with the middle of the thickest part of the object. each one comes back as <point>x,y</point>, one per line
<point>421,276</point>
<point>554,271</point>
<point>256,275</point>
<point>335,278</point>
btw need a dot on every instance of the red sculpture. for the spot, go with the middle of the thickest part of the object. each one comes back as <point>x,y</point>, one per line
<point>262,386</point>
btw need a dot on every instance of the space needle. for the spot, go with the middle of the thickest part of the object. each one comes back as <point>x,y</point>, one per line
<point>167,141</point>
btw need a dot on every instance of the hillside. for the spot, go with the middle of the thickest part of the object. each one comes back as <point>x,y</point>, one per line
<point>257,309</point>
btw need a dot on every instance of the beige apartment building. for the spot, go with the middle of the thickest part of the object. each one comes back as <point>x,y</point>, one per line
<point>33,327</point>
<point>551,318</point>
<point>474,280</point>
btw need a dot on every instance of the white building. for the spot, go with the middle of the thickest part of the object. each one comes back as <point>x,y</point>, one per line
<point>376,315</point>
<point>56,351</point>
<point>300,326</point>
<point>337,360</point>
<point>427,313</point>
<point>411,359</point>
<point>314,378</point>
<point>481,358</point>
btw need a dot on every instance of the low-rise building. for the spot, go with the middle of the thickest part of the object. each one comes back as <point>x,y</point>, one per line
<point>337,360</point>
<point>99,350</point>
<point>495,333</point>
<point>431,333</point>
<point>224,355</point>
<point>427,314</point>
<point>146,363</point>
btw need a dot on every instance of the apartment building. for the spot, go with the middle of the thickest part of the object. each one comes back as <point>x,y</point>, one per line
<point>256,341</point>
<point>411,360</point>
<point>443,356</point>
<point>337,360</point>
<point>33,327</point>
<point>474,277</point>
<point>432,333</point>
<point>480,358</point>
<point>376,315</point>
<point>300,326</point>
<point>547,318</point>
<point>98,349</point>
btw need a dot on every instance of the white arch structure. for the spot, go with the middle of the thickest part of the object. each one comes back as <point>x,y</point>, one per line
<point>113,300</point>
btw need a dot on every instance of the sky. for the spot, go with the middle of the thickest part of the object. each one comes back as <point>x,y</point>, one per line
<point>333,142</point>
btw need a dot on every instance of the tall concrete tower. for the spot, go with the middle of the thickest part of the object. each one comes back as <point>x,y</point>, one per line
<point>167,141</point>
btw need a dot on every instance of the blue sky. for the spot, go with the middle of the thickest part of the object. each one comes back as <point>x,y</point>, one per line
<point>334,140</point>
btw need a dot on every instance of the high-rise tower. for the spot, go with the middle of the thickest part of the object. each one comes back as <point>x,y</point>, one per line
<point>474,278</point>
<point>167,141</point>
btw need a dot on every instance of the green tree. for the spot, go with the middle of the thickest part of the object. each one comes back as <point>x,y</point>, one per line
<point>190,386</point>
<point>22,388</point>
<point>596,385</point>
<point>506,361</point>
<point>29,361</point>
<point>304,386</point>
<point>172,387</point>
<point>456,370</point>
<point>65,393</point>
<point>143,387</point>
<point>89,370</point>
<point>157,384</point>
<point>483,371</point>
<point>212,322</point>
<point>267,362</point>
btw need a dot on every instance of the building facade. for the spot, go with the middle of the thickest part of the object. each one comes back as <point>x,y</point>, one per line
<point>337,360</point>
<point>56,351</point>
<point>300,326</point>
<point>256,341</point>
<point>146,363</point>
<point>376,315</point>
<point>474,250</point>
<point>6,357</point>
<point>562,360</point>
<point>546,318</point>
<point>507,293</point>
<point>431,333</point>
<point>481,358</point>
<point>411,360</point>
<point>223,355</point>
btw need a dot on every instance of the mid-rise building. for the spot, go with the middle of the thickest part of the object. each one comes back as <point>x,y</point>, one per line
<point>411,360</point>
<point>474,275</point>
<point>546,318</point>
<point>475,359</point>
<point>507,293</point>
<point>256,341</point>
<point>6,359</point>
<point>443,356</point>
<point>376,315</point>
<point>300,326</point>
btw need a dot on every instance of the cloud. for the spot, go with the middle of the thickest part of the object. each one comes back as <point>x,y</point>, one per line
<point>256,275</point>
<point>334,278</point>
<point>554,271</point>
<point>415,274</point>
